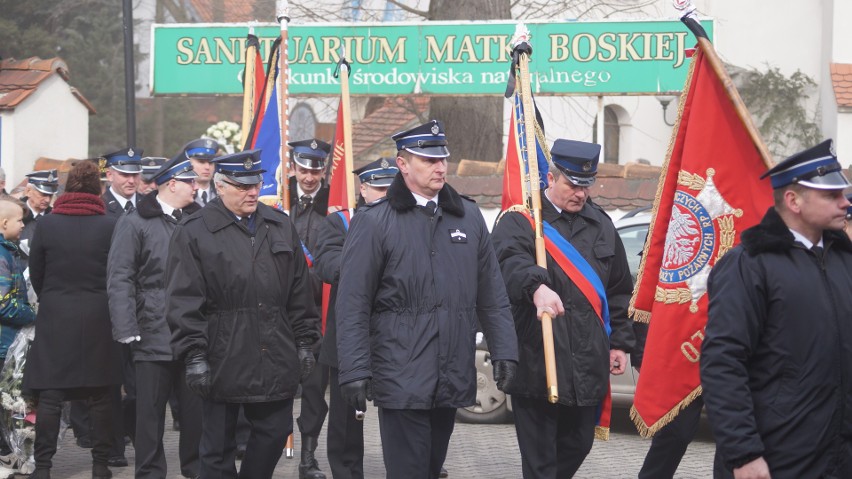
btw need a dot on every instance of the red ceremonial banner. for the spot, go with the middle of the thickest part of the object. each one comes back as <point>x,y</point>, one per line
<point>709,193</point>
<point>338,192</point>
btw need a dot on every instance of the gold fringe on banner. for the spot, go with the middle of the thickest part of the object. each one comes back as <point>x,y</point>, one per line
<point>601,433</point>
<point>638,315</point>
<point>649,431</point>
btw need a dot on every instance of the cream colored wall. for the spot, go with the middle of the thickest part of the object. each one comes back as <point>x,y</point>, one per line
<point>51,123</point>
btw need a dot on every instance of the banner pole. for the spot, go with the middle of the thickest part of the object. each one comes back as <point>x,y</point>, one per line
<point>282,8</point>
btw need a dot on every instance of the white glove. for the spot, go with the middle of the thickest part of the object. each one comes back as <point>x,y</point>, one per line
<point>129,340</point>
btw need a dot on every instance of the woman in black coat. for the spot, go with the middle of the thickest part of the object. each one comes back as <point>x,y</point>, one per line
<point>73,355</point>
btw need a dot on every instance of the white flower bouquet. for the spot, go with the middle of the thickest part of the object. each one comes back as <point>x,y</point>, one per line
<point>17,418</point>
<point>227,134</point>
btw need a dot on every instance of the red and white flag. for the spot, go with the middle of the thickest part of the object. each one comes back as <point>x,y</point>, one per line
<point>710,192</point>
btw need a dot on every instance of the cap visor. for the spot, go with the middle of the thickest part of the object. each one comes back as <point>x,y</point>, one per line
<point>129,169</point>
<point>310,164</point>
<point>835,180</point>
<point>581,181</point>
<point>47,190</point>
<point>380,183</point>
<point>247,179</point>
<point>429,151</point>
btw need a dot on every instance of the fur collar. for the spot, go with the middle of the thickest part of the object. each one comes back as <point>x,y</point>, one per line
<point>401,199</point>
<point>149,207</point>
<point>772,235</point>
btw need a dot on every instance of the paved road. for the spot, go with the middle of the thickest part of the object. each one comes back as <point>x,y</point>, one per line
<point>476,451</point>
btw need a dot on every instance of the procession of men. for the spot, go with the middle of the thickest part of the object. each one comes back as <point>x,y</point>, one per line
<point>217,304</point>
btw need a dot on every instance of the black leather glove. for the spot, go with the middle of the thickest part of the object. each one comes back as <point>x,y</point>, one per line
<point>504,373</point>
<point>357,393</point>
<point>198,373</point>
<point>306,361</point>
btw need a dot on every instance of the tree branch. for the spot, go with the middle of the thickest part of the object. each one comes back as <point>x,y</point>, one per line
<point>408,9</point>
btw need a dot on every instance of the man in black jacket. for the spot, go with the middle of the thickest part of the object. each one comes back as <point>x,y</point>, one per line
<point>345,431</point>
<point>776,361</point>
<point>589,344</point>
<point>124,173</point>
<point>238,300</point>
<point>308,207</point>
<point>418,272</point>
<point>136,272</point>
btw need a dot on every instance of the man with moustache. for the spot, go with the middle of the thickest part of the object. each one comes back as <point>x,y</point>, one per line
<point>776,361</point>
<point>239,302</point>
<point>136,271</point>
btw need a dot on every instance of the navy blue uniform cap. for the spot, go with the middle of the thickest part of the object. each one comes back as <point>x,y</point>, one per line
<point>817,167</point>
<point>124,161</point>
<point>243,167</point>
<point>427,140</point>
<point>310,154</point>
<point>577,160</point>
<point>179,168</point>
<point>45,181</point>
<point>201,149</point>
<point>379,173</point>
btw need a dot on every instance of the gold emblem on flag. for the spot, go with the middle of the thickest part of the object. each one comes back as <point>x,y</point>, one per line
<point>700,231</point>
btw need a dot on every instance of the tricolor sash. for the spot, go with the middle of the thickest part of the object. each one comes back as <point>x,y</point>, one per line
<point>578,270</point>
<point>581,273</point>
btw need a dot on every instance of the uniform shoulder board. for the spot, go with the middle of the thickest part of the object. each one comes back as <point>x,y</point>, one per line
<point>468,198</point>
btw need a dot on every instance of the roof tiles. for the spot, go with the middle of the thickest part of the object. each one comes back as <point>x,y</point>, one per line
<point>21,78</point>
<point>841,77</point>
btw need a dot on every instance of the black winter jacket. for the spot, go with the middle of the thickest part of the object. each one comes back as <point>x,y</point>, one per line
<point>244,301</point>
<point>331,236</point>
<point>776,362</point>
<point>137,275</point>
<point>411,289</point>
<point>580,341</point>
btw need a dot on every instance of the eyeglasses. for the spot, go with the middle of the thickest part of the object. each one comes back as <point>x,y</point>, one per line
<point>244,188</point>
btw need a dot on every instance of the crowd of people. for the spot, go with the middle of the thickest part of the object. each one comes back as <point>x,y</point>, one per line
<point>171,283</point>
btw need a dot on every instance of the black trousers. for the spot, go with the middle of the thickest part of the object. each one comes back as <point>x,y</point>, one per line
<point>271,423</point>
<point>415,441</point>
<point>123,408</point>
<point>154,381</point>
<point>49,410</point>
<point>345,444</point>
<point>554,439</point>
<point>670,443</point>
<point>314,407</point>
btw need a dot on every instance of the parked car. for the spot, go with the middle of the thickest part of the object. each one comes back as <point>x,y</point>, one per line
<point>493,406</point>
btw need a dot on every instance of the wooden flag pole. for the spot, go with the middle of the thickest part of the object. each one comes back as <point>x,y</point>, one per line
<point>249,100</point>
<point>347,132</point>
<point>688,18</point>
<point>535,197</point>
<point>282,9</point>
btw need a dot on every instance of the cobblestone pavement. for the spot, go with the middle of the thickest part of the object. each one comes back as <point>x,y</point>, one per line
<point>476,451</point>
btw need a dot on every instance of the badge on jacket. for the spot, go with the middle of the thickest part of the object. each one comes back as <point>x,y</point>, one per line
<point>458,236</point>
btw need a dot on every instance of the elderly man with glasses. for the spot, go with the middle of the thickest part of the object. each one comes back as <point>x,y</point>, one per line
<point>243,320</point>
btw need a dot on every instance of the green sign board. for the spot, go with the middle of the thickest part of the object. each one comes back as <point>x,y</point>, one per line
<point>435,58</point>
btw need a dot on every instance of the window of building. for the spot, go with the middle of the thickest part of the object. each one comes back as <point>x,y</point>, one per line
<point>612,134</point>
